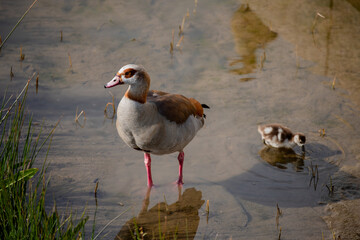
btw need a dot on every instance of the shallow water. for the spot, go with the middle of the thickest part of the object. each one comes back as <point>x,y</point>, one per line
<point>269,61</point>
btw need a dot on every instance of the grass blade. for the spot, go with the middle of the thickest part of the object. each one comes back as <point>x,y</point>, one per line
<point>22,175</point>
<point>17,24</point>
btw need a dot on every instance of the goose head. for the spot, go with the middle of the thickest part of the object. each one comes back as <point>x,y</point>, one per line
<point>137,79</point>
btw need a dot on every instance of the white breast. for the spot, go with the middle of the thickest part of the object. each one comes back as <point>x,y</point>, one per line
<point>141,126</point>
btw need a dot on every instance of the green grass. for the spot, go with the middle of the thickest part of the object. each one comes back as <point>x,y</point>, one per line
<point>23,187</point>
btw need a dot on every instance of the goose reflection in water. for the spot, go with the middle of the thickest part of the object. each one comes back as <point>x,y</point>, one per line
<point>180,219</point>
<point>281,157</point>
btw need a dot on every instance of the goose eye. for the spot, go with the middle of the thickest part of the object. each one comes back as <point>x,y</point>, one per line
<point>130,73</point>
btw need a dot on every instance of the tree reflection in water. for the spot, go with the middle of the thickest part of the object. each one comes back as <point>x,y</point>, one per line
<point>250,34</point>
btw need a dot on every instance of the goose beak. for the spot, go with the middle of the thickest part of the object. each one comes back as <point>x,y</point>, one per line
<point>115,81</point>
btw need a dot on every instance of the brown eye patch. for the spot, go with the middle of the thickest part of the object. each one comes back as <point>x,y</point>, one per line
<point>129,72</point>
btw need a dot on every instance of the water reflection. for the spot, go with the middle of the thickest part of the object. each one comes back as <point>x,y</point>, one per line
<point>281,157</point>
<point>180,219</point>
<point>355,4</point>
<point>250,34</point>
<point>302,185</point>
<point>330,42</point>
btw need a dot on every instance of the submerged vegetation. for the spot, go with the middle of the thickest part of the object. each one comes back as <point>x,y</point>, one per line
<point>23,187</point>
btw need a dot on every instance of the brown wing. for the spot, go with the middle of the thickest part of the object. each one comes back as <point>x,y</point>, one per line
<point>175,107</point>
<point>286,133</point>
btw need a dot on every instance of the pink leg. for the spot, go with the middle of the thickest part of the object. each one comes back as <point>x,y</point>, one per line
<point>147,161</point>
<point>181,162</point>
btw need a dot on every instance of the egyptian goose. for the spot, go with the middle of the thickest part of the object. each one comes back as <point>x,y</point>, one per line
<point>155,122</point>
<point>279,136</point>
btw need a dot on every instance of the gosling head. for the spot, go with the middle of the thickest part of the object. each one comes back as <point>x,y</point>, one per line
<point>299,139</point>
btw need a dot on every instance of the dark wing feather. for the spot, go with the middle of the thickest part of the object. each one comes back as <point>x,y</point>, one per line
<point>174,107</point>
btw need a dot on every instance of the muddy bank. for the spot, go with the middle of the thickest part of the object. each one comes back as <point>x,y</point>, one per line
<point>344,219</point>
